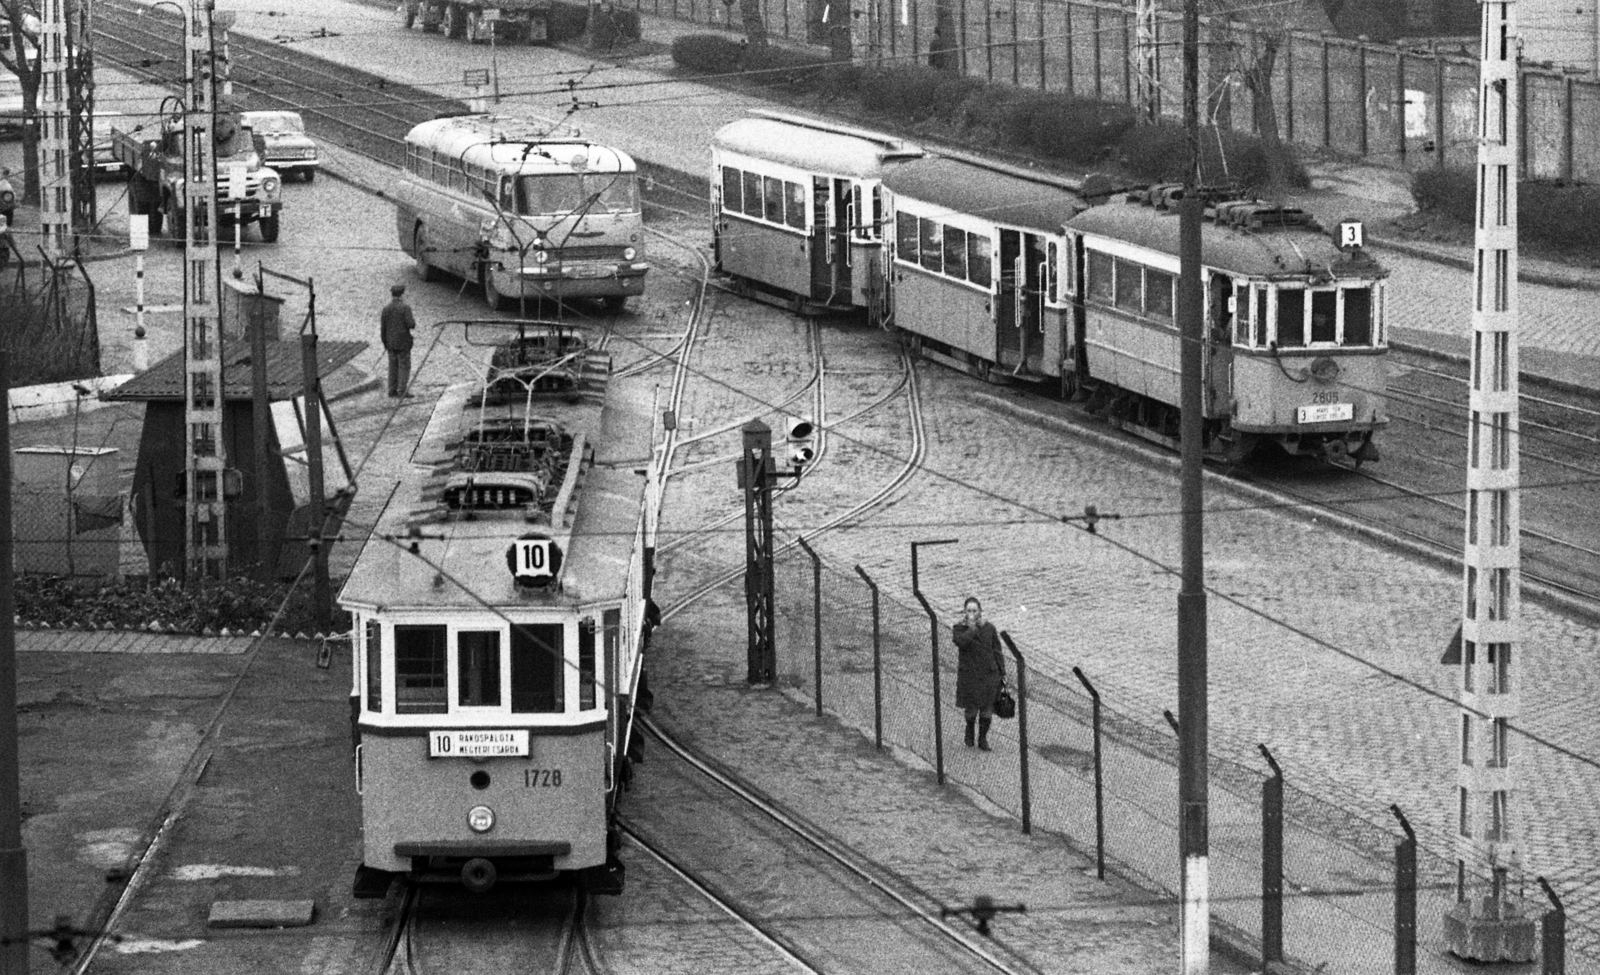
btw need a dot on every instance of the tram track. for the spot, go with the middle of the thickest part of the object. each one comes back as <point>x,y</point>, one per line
<point>814,902</point>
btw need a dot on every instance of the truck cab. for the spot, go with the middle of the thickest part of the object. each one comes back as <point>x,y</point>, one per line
<point>156,176</point>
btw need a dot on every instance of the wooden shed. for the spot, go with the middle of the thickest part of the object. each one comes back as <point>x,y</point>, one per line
<point>158,479</point>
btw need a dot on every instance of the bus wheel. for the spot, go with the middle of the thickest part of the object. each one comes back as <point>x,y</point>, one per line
<point>454,23</point>
<point>614,304</point>
<point>408,15</point>
<point>269,229</point>
<point>419,247</point>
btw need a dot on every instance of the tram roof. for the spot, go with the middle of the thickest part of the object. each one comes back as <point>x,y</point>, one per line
<point>1269,253</point>
<point>814,146</point>
<point>502,142</point>
<point>1002,196</point>
<point>462,563</point>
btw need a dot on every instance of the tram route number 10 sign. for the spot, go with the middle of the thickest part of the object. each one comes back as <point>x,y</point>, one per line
<point>477,743</point>
<point>534,558</point>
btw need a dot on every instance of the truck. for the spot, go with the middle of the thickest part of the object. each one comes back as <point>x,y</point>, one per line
<point>155,175</point>
<point>481,20</point>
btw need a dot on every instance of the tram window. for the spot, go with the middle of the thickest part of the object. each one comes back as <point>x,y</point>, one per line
<point>374,635</point>
<point>586,665</point>
<point>1100,276</point>
<point>1324,316</point>
<point>752,194</point>
<point>1241,315</point>
<point>1052,279</point>
<point>1258,313</point>
<point>795,214</point>
<point>905,237</point>
<point>478,668</point>
<point>955,252</point>
<point>978,250</point>
<point>932,244</point>
<point>1128,286</point>
<point>875,229</point>
<point>772,196</point>
<point>538,671</point>
<point>1158,294</point>
<point>732,194</point>
<point>1357,316</point>
<point>1291,318</point>
<point>419,670</point>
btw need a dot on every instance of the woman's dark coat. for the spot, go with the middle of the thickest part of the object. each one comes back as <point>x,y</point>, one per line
<point>980,667</point>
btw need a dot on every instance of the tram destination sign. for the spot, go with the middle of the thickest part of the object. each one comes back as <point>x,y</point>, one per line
<point>478,743</point>
<point>1326,412</point>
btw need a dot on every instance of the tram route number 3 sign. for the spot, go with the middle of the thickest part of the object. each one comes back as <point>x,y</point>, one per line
<point>477,743</point>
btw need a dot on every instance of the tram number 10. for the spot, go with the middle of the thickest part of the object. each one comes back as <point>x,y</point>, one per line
<point>533,558</point>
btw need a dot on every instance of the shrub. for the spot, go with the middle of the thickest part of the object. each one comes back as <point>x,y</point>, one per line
<point>707,53</point>
<point>1064,128</point>
<point>1160,153</point>
<point>774,65</point>
<point>1448,192</point>
<point>567,21</point>
<point>240,605</point>
<point>41,352</point>
<point>915,92</point>
<point>1559,215</point>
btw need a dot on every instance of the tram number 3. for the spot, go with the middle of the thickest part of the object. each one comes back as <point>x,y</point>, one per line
<point>541,778</point>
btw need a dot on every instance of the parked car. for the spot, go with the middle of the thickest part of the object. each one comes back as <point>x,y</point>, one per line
<point>11,112</point>
<point>289,149</point>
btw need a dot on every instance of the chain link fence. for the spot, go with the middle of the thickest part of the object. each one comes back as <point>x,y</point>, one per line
<point>1339,873</point>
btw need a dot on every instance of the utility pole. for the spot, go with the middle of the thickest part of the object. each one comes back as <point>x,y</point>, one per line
<point>13,855</point>
<point>55,175</point>
<point>755,461</point>
<point>1488,923</point>
<point>205,528</point>
<point>80,106</point>
<point>1148,69</point>
<point>1193,827</point>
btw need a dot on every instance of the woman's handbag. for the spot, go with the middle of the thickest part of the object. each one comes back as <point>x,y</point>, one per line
<point>1005,706</point>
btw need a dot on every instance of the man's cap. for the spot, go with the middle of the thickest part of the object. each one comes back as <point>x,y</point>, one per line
<point>398,290</point>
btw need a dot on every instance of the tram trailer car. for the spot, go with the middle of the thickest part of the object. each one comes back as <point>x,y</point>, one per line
<point>1295,345</point>
<point>526,209</point>
<point>500,629</point>
<point>797,210</point>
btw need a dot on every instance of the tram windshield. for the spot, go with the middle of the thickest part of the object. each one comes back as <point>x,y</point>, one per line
<point>564,193</point>
<point>1313,317</point>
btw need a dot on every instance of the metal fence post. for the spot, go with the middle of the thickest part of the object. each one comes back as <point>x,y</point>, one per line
<point>816,617</point>
<point>1405,898</point>
<point>933,640</point>
<point>1022,730</point>
<point>877,662</point>
<point>1271,864</point>
<point>1099,782</point>
<point>1554,927</point>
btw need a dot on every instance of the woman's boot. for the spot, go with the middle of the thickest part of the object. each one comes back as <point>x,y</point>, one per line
<point>983,733</point>
<point>971,720</point>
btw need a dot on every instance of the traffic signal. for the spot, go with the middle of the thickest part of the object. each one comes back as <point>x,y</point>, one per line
<point>800,434</point>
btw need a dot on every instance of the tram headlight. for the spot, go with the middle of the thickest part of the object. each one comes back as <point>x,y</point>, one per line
<point>480,819</point>
<point>629,253</point>
<point>541,257</point>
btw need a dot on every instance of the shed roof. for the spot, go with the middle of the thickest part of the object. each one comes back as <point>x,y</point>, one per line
<point>164,380</point>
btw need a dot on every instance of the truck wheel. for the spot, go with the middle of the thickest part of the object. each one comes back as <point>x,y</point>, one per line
<point>474,26</point>
<point>311,174</point>
<point>454,23</point>
<point>419,249</point>
<point>491,294</point>
<point>614,304</point>
<point>269,228</point>
<point>408,15</point>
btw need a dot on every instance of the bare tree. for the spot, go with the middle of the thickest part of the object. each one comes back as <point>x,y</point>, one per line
<point>19,30</point>
<point>1246,45</point>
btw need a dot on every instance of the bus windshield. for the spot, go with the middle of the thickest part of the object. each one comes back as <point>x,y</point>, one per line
<point>564,193</point>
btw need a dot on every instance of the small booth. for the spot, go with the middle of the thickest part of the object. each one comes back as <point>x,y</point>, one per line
<point>267,524</point>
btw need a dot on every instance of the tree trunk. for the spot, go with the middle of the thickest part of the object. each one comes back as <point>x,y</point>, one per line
<point>755,28</point>
<point>1263,112</point>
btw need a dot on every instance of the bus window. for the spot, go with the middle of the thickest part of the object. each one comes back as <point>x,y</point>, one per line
<point>1324,316</point>
<point>508,196</point>
<point>374,636</point>
<point>1357,316</point>
<point>478,668</point>
<point>538,671</point>
<point>419,670</point>
<point>1291,317</point>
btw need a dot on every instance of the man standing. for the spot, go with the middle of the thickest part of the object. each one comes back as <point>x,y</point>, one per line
<point>397,323</point>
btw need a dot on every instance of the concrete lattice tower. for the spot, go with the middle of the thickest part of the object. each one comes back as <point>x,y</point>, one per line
<point>55,176</point>
<point>1488,923</point>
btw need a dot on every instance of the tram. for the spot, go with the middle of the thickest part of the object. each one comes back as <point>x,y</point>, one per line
<point>502,613</point>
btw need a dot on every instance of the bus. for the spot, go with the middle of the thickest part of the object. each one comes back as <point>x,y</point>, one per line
<point>527,210</point>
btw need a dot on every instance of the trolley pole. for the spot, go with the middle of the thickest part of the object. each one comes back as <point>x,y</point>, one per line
<point>1193,828</point>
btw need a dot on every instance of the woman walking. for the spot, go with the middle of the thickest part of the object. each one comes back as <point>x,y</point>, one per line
<point>980,670</point>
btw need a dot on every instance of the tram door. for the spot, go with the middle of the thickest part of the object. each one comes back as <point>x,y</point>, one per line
<point>1019,308</point>
<point>1220,311</point>
<point>832,210</point>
